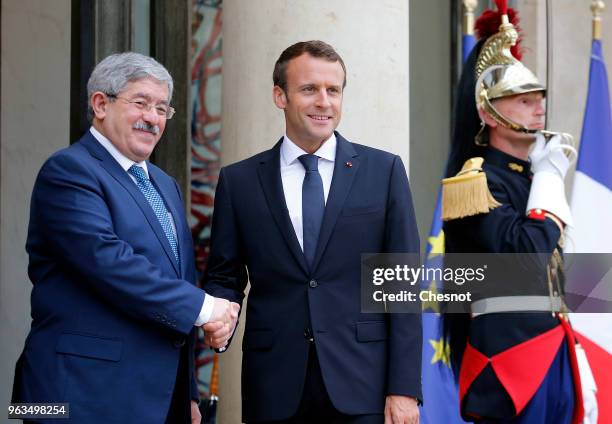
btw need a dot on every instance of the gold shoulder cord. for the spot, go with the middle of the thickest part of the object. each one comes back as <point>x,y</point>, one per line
<point>467,193</point>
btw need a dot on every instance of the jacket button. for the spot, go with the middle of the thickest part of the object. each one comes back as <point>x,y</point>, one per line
<point>313,284</point>
<point>179,343</point>
<point>308,335</point>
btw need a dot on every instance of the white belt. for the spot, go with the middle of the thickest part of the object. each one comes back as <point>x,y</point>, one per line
<point>517,304</point>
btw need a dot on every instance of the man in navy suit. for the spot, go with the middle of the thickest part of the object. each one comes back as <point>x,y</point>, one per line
<point>294,221</point>
<point>114,301</point>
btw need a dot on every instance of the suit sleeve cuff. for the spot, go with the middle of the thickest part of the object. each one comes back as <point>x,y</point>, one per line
<point>206,311</point>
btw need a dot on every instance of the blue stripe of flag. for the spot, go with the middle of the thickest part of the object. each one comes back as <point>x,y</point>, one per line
<point>595,158</point>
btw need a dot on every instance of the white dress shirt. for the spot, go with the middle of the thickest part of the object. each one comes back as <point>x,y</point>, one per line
<point>292,176</point>
<point>125,163</point>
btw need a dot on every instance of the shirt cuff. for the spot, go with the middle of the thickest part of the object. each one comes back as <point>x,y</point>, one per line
<point>206,311</point>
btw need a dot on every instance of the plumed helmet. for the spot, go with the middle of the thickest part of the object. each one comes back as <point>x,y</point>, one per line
<point>499,74</point>
<point>466,121</point>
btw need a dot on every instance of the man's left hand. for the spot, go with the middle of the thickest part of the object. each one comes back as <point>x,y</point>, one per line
<point>401,410</point>
<point>196,417</point>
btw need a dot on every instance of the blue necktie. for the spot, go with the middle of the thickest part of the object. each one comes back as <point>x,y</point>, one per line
<point>156,202</point>
<point>313,205</point>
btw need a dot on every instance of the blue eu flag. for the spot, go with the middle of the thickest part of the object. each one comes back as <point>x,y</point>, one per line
<point>440,392</point>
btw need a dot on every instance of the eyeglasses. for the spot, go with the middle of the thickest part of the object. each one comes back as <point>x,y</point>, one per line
<point>161,109</point>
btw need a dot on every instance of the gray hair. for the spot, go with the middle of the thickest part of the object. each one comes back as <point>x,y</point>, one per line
<point>114,72</point>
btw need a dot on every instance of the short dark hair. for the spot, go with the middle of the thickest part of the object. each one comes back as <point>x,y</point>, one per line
<point>314,48</point>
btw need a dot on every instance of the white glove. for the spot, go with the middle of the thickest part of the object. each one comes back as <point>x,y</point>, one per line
<point>552,156</point>
<point>589,388</point>
<point>549,164</point>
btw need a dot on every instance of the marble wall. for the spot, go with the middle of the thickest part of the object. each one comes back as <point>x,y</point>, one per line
<point>35,121</point>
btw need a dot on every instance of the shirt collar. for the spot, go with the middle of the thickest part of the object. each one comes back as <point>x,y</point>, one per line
<point>123,161</point>
<point>290,151</point>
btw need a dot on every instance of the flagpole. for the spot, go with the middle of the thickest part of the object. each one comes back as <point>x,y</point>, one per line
<point>468,40</point>
<point>597,8</point>
<point>468,16</point>
<point>549,62</point>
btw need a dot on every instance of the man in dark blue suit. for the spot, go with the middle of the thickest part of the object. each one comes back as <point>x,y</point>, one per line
<point>114,302</point>
<point>294,221</point>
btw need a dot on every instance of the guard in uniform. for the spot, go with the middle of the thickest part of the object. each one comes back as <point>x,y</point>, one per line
<point>514,356</point>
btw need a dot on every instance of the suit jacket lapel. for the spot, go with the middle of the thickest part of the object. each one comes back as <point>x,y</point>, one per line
<point>122,177</point>
<point>272,186</point>
<point>342,181</point>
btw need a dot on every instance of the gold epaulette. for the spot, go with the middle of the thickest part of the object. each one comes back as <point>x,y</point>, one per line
<point>467,193</point>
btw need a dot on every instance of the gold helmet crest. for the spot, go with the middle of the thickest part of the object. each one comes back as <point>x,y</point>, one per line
<point>499,74</point>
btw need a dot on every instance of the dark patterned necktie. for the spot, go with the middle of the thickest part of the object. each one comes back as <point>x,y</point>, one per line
<point>313,205</point>
<point>156,202</point>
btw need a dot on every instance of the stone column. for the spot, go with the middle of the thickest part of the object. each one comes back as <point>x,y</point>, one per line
<point>35,123</point>
<point>430,112</point>
<point>371,37</point>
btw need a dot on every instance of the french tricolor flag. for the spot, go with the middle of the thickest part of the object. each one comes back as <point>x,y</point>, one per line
<point>591,204</point>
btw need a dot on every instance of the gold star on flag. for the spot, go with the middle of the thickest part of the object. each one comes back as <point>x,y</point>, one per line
<point>437,244</point>
<point>441,351</point>
<point>431,304</point>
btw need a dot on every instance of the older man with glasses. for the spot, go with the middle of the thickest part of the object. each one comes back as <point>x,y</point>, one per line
<point>114,301</point>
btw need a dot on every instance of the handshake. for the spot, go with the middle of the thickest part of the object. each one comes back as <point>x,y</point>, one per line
<point>222,323</point>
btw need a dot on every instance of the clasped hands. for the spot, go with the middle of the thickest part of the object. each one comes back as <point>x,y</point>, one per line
<point>222,323</point>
